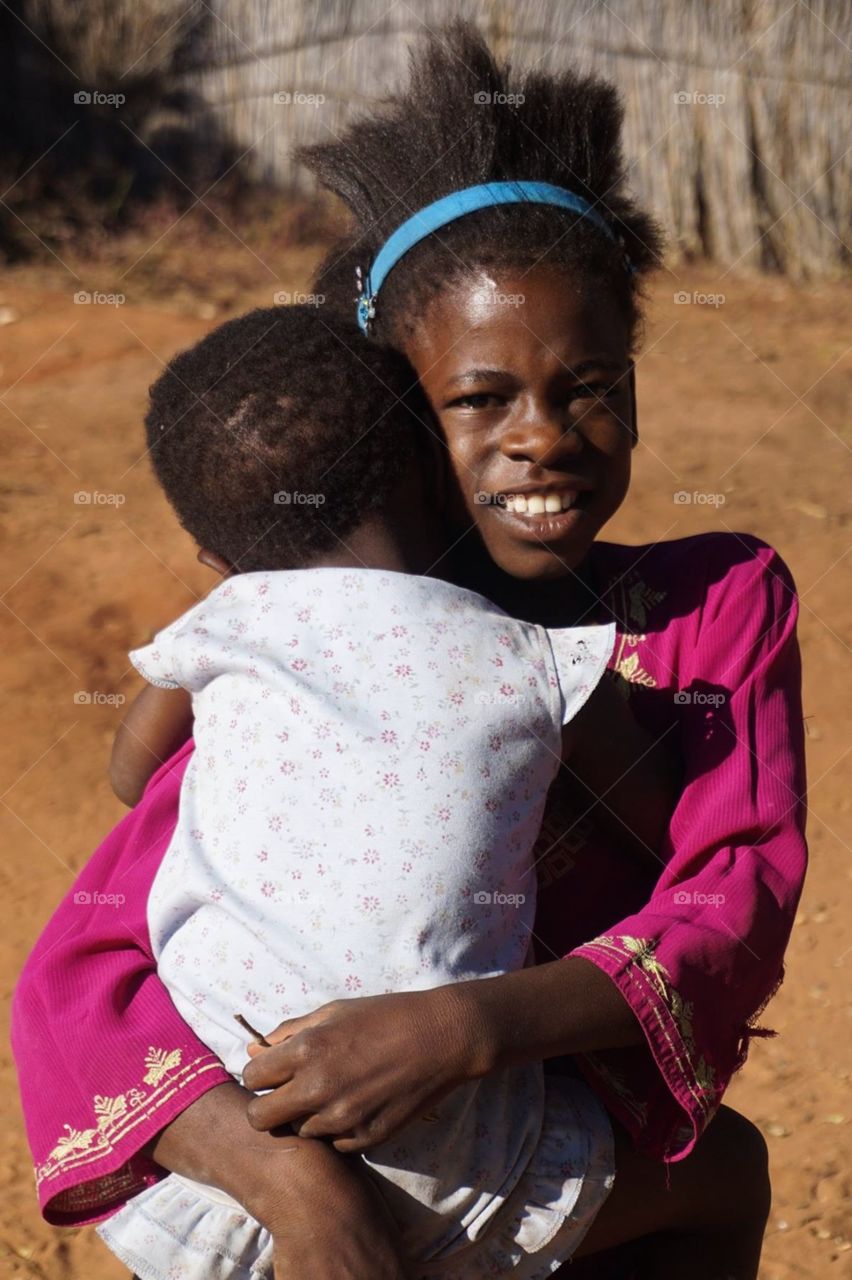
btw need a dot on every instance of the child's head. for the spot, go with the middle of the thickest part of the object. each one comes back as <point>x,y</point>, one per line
<point>519,319</point>
<point>281,433</point>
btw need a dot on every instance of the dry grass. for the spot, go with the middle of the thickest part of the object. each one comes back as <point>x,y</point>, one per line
<point>107,42</point>
<point>736,110</point>
<point>763,176</point>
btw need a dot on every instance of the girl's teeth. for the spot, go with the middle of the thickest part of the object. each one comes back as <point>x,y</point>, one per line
<point>539,504</point>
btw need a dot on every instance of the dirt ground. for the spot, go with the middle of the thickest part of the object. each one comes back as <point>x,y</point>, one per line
<point>746,398</point>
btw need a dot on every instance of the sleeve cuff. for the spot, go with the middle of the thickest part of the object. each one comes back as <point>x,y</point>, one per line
<point>91,1173</point>
<point>668,1132</point>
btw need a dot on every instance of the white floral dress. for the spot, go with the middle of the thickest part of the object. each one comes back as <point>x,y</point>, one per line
<point>373,754</point>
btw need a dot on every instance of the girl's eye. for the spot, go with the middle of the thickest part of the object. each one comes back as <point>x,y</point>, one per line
<point>481,400</point>
<point>594,391</point>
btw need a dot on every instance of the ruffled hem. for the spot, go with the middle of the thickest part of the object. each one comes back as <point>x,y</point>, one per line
<point>174,1232</point>
<point>555,1201</point>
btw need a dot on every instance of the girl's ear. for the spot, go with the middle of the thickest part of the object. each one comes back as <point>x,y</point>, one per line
<point>216,563</point>
<point>634,416</point>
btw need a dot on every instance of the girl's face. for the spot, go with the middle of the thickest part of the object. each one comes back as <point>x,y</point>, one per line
<point>532,382</point>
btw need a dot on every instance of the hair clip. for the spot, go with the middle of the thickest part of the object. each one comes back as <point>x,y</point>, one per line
<point>366,301</point>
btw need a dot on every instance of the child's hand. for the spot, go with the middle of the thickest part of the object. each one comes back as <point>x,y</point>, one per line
<point>158,722</point>
<point>334,1225</point>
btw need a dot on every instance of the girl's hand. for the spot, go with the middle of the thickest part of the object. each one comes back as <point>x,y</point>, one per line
<point>332,1224</point>
<point>357,1071</point>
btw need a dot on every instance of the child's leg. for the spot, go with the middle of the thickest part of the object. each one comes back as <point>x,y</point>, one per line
<point>709,1223</point>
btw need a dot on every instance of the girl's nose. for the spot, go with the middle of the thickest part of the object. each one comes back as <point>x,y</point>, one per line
<point>543,436</point>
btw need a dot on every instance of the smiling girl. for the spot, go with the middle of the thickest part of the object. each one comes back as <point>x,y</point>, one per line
<point>521,321</point>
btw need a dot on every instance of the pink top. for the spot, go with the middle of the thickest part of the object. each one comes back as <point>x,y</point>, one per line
<point>706,642</point>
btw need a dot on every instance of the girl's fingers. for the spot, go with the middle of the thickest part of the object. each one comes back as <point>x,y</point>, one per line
<point>292,1026</point>
<point>312,1127</point>
<point>282,1106</point>
<point>269,1068</point>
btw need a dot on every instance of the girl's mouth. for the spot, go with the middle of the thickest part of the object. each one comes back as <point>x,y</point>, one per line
<point>545,516</point>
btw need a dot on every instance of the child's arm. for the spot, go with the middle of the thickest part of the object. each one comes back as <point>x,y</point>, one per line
<point>631,780</point>
<point>157,723</point>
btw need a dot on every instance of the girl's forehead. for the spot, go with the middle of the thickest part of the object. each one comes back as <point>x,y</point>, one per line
<point>513,318</point>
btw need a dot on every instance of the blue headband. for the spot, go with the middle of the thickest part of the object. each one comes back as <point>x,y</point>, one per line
<point>456,205</point>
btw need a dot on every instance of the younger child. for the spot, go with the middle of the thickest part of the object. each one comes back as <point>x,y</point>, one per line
<point>374,746</point>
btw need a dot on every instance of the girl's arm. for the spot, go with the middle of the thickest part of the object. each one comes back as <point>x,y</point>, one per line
<point>104,1060</point>
<point>158,722</point>
<point>325,1215</point>
<point>357,1071</point>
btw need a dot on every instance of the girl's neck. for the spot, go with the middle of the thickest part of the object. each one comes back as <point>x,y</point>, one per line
<point>559,602</point>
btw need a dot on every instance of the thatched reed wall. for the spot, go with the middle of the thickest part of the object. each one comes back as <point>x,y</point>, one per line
<point>761,178</point>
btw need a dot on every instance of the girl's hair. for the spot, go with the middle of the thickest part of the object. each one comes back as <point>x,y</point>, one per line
<point>465,119</point>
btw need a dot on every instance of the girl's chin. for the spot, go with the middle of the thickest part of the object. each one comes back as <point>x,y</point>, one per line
<point>540,548</point>
<point>537,563</point>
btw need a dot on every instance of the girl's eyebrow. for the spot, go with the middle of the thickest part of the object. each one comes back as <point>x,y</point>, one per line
<point>479,375</point>
<point>580,371</point>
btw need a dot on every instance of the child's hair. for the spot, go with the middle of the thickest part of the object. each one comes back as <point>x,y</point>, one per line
<point>464,119</point>
<point>279,432</point>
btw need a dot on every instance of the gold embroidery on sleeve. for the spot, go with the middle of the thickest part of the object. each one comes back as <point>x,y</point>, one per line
<point>676,1029</point>
<point>165,1073</point>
